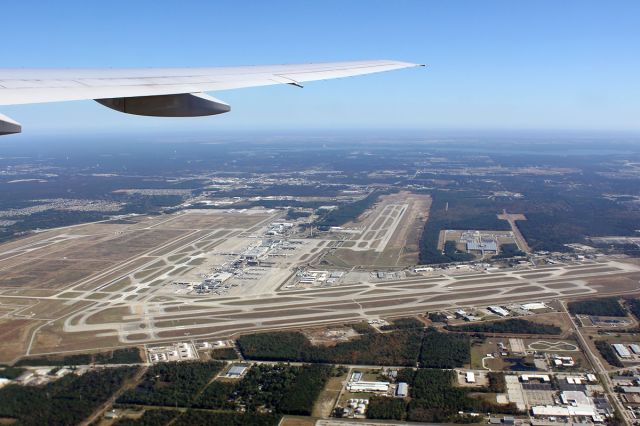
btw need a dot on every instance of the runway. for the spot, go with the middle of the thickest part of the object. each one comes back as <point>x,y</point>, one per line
<point>183,316</point>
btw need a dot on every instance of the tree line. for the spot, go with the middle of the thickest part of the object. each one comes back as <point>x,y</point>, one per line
<point>434,398</point>
<point>172,383</point>
<point>400,347</point>
<point>606,307</point>
<point>66,401</point>
<point>513,326</point>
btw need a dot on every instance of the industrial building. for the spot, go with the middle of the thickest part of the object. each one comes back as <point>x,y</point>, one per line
<point>544,378</point>
<point>534,306</point>
<point>483,245</point>
<point>621,350</point>
<point>176,352</point>
<point>563,361</point>
<point>469,377</point>
<point>402,390</point>
<point>236,371</point>
<point>382,387</point>
<point>498,310</point>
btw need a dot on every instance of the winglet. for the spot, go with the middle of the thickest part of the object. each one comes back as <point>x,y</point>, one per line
<point>8,126</point>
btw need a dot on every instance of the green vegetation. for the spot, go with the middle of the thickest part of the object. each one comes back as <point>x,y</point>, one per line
<point>348,212</point>
<point>11,373</point>
<point>397,348</point>
<point>218,395</point>
<point>634,307</point>
<point>454,254</point>
<point>444,350</point>
<point>509,250</point>
<point>293,214</point>
<point>497,382</point>
<point>400,347</point>
<point>223,354</point>
<point>608,353</point>
<point>160,417</point>
<point>435,399</point>
<point>385,408</point>
<point>605,307</point>
<point>437,317</point>
<point>276,388</point>
<point>172,383</point>
<point>118,356</point>
<point>513,325</point>
<point>457,210</point>
<point>305,389</point>
<point>154,417</point>
<point>206,418</point>
<point>82,359</point>
<point>362,327</point>
<point>403,324</point>
<point>66,401</point>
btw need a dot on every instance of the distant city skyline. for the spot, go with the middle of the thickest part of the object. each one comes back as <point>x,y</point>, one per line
<point>493,66</point>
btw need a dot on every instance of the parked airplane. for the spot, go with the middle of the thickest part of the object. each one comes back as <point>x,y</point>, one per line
<point>163,92</point>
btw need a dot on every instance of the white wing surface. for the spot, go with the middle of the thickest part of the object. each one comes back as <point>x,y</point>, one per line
<point>152,91</point>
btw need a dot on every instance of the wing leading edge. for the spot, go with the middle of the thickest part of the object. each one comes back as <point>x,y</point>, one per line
<point>153,85</point>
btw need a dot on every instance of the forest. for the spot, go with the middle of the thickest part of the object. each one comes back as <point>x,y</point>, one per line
<point>445,350</point>
<point>160,417</point>
<point>434,398</point>
<point>223,354</point>
<point>348,212</point>
<point>608,353</point>
<point>454,254</point>
<point>208,418</point>
<point>634,307</point>
<point>509,250</point>
<point>606,307</point>
<point>437,317</point>
<point>172,383</point>
<point>11,373</point>
<point>274,388</point>
<point>403,324</point>
<point>151,417</point>
<point>397,348</point>
<point>512,325</point>
<point>456,210</point>
<point>66,401</point>
<point>117,356</point>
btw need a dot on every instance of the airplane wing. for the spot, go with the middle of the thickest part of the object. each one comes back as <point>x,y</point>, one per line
<point>164,92</point>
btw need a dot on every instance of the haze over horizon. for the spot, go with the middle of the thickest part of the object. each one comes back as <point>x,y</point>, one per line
<point>493,66</point>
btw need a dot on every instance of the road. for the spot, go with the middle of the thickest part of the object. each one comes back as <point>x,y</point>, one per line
<point>109,403</point>
<point>599,368</point>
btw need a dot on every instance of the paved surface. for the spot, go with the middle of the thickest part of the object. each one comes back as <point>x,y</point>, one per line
<point>223,316</point>
<point>133,301</point>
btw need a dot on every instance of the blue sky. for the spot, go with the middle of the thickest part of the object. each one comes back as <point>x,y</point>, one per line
<point>504,65</point>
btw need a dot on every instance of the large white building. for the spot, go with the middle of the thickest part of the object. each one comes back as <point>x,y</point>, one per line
<point>621,350</point>
<point>498,310</point>
<point>368,387</point>
<point>402,390</point>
